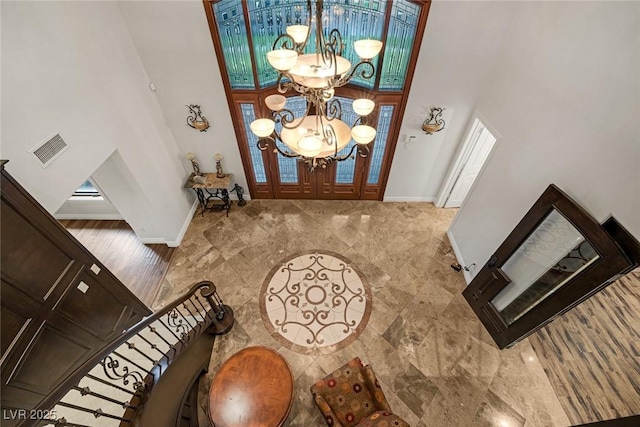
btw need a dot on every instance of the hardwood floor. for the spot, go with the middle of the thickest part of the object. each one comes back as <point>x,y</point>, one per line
<point>591,355</point>
<point>140,267</point>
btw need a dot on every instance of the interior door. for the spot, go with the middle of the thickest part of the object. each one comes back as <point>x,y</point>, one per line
<point>555,257</point>
<point>480,146</point>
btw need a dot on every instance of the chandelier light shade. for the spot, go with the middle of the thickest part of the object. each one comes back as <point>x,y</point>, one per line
<point>367,49</point>
<point>262,127</point>
<point>319,135</point>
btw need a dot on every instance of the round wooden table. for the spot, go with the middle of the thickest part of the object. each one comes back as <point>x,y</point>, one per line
<point>254,388</point>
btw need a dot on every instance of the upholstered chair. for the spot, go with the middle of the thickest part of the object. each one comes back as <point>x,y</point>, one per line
<point>351,396</point>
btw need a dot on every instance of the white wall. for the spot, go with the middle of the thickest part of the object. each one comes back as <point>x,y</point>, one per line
<point>71,68</point>
<point>460,49</point>
<point>461,46</point>
<point>95,208</point>
<point>565,99</point>
<point>175,46</point>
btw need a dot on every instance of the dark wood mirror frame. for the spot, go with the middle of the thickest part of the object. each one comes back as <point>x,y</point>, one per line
<point>618,253</point>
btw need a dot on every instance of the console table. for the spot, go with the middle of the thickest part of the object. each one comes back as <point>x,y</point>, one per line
<point>254,388</point>
<point>214,187</point>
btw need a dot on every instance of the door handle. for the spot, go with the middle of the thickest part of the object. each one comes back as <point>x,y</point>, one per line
<point>492,261</point>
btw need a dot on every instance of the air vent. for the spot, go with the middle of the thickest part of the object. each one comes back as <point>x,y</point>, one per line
<point>50,150</point>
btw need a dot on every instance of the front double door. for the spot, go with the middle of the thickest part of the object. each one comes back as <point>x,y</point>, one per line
<point>271,175</point>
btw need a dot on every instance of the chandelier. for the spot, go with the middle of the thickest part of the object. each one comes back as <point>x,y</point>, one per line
<point>319,135</point>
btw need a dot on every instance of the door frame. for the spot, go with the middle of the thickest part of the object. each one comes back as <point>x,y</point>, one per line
<point>458,164</point>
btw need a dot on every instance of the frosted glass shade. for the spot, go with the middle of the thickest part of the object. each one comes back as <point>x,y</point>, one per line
<point>282,59</point>
<point>328,94</point>
<point>311,143</point>
<point>298,32</point>
<point>363,106</point>
<point>262,127</point>
<point>275,102</point>
<point>363,134</point>
<point>307,126</point>
<point>310,72</point>
<point>367,49</point>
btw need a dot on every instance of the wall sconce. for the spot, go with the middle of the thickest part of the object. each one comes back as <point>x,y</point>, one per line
<point>196,167</point>
<point>434,123</point>
<point>196,120</point>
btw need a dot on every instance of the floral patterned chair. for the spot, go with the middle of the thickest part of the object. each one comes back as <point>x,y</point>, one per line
<point>351,396</point>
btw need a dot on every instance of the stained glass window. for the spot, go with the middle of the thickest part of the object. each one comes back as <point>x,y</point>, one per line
<point>399,44</point>
<point>356,20</point>
<point>288,166</point>
<point>249,115</point>
<point>235,43</point>
<point>380,143</point>
<point>345,169</point>
<point>269,19</point>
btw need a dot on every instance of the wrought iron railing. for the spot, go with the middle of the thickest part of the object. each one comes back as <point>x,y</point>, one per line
<point>111,388</point>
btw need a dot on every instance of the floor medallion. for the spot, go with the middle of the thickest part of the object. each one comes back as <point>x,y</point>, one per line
<point>315,302</point>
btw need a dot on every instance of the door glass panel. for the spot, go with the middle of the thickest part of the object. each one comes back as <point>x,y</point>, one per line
<point>380,143</point>
<point>257,164</point>
<point>235,43</point>
<point>345,169</point>
<point>553,253</point>
<point>399,44</point>
<point>288,166</point>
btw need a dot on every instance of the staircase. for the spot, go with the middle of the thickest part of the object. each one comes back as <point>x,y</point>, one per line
<point>147,377</point>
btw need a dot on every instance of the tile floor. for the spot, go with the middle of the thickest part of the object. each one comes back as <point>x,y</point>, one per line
<point>316,302</point>
<point>436,363</point>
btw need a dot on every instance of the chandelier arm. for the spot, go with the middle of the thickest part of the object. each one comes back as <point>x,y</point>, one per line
<point>335,40</point>
<point>361,120</point>
<point>333,109</point>
<point>363,151</point>
<point>285,41</point>
<point>367,72</point>
<point>286,118</point>
<point>346,156</point>
<point>263,145</point>
<point>329,134</point>
<point>300,48</point>
<point>284,86</point>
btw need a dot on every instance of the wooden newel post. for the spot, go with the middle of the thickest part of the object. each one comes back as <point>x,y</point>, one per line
<point>223,314</point>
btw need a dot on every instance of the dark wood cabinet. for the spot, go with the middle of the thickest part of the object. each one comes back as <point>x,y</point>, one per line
<point>59,305</point>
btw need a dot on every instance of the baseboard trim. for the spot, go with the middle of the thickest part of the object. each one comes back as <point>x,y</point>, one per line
<point>153,241</point>
<point>456,251</point>
<point>96,217</point>
<point>409,199</point>
<point>175,243</point>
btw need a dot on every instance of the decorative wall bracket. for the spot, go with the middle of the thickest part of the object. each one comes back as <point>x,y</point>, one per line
<point>196,120</point>
<point>434,123</point>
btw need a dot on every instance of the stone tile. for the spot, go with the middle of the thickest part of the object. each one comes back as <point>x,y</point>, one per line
<point>436,363</point>
<point>415,390</point>
<point>456,402</point>
<point>493,411</point>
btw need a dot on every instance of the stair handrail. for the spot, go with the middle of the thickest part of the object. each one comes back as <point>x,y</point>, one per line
<point>218,320</point>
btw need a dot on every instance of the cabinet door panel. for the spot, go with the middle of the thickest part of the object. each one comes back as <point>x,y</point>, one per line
<point>50,327</point>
